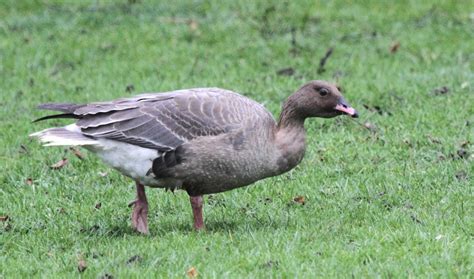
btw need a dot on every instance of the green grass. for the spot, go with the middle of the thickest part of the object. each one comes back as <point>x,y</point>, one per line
<point>394,201</point>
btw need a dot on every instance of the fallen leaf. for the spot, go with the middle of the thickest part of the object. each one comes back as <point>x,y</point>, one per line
<point>438,237</point>
<point>92,229</point>
<point>98,205</point>
<point>408,142</point>
<point>81,265</point>
<point>61,163</point>
<point>441,90</point>
<point>266,200</point>
<point>433,139</point>
<point>370,126</point>
<point>377,109</point>
<point>413,217</point>
<point>4,218</point>
<point>394,47</point>
<point>271,264</point>
<point>78,88</point>
<point>193,24</point>
<point>103,174</point>
<point>24,149</point>
<point>134,259</point>
<point>461,175</point>
<point>29,181</point>
<point>462,153</point>
<point>130,88</point>
<point>299,199</point>
<point>464,85</point>
<point>286,71</point>
<point>192,272</point>
<point>107,47</point>
<point>76,152</point>
<point>465,143</point>
<point>61,210</point>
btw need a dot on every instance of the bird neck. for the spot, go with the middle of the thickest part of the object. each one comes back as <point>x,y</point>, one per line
<point>290,138</point>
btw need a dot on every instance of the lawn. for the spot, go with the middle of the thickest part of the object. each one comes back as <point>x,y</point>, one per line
<point>387,195</point>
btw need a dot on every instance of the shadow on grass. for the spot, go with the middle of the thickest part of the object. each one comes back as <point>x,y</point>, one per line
<point>162,229</point>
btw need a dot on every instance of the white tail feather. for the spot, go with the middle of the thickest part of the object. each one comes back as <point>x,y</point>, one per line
<point>69,135</point>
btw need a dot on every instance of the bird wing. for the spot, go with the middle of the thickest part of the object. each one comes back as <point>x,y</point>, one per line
<point>164,121</point>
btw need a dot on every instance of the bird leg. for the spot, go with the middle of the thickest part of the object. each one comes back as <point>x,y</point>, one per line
<point>196,204</point>
<point>140,210</point>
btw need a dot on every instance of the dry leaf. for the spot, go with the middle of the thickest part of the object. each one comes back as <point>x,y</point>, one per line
<point>81,265</point>
<point>76,152</point>
<point>286,72</point>
<point>4,218</point>
<point>433,139</point>
<point>24,149</point>
<point>370,126</point>
<point>395,46</point>
<point>130,88</point>
<point>271,264</point>
<point>29,181</point>
<point>134,259</point>
<point>192,272</point>
<point>462,153</point>
<point>408,142</point>
<point>299,199</point>
<point>193,24</point>
<point>103,174</point>
<point>61,163</point>
<point>461,175</point>
<point>441,90</point>
<point>465,143</point>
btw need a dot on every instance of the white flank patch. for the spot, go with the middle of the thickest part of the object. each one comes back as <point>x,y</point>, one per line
<point>131,160</point>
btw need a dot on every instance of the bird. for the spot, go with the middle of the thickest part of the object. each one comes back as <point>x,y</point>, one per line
<point>200,140</point>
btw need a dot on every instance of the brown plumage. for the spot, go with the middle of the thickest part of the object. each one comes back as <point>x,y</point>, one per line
<point>204,140</point>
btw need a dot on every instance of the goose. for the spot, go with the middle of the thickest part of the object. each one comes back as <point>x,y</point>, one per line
<point>201,140</point>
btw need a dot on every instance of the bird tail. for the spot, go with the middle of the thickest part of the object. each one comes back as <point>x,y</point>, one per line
<point>67,109</point>
<point>68,135</point>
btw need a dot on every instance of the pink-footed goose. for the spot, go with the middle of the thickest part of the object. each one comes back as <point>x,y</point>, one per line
<point>203,140</point>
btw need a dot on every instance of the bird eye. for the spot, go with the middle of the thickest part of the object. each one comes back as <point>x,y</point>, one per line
<point>323,91</point>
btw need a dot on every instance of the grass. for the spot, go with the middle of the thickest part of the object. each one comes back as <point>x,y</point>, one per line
<point>391,199</point>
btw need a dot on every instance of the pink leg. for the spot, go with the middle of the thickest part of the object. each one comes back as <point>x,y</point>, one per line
<point>196,204</point>
<point>140,210</point>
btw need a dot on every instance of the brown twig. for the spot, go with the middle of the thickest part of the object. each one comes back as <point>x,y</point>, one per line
<point>323,60</point>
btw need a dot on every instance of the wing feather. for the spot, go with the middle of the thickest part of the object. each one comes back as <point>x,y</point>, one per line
<point>165,121</point>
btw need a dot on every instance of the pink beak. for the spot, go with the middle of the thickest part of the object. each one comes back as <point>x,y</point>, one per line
<point>343,107</point>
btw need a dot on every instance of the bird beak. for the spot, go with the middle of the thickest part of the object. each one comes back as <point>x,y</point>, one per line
<point>345,108</point>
